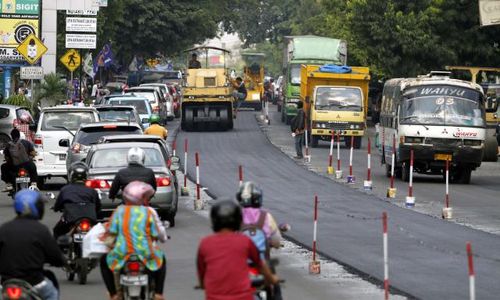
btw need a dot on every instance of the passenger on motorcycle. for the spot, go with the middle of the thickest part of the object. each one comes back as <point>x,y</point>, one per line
<point>135,227</point>
<point>26,245</point>
<point>136,171</point>
<point>155,128</point>
<point>222,261</point>
<point>76,201</point>
<point>250,198</point>
<point>19,153</point>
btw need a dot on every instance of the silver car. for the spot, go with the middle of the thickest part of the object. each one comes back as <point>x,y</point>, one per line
<point>105,160</point>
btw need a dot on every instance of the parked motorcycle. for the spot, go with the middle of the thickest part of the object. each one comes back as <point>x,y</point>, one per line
<point>72,246</point>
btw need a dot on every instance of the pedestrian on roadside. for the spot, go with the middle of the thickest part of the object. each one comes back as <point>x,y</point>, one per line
<point>298,126</point>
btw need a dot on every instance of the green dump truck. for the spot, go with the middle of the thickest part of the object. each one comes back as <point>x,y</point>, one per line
<point>306,50</point>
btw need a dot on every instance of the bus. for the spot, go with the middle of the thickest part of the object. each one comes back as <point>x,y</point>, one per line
<point>439,118</point>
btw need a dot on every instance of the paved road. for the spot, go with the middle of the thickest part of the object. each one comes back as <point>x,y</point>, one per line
<point>476,204</point>
<point>427,255</point>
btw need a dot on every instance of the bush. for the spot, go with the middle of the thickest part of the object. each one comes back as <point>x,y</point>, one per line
<point>18,100</point>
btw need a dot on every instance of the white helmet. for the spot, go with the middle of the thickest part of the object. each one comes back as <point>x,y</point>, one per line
<point>136,156</point>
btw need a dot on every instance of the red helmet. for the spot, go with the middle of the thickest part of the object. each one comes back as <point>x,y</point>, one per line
<point>137,193</point>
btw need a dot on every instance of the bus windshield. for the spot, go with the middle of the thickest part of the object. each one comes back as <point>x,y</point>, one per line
<point>337,98</point>
<point>442,105</point>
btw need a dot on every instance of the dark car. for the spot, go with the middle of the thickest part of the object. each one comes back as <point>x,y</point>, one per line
<point>89,134</point>
<point>106,159</point>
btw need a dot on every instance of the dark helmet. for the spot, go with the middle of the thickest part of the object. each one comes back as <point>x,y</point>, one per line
<point>29,204</point>
<point>225,214</point>
<point>249,195</point>
<point>78,171</point>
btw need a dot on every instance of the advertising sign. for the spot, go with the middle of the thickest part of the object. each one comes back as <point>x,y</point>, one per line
<point>82,12</point>
<point>74,24</point>
<point>34,73</point>
<point>489,11</point>
<point>18,20</point>
<point>81,41</point>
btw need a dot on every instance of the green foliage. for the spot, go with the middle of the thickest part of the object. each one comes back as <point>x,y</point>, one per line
<point>51,91</point>
<point>18,100</point>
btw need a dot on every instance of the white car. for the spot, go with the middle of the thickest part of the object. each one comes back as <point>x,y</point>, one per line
<point>170,100</point>
<point>55,124</point>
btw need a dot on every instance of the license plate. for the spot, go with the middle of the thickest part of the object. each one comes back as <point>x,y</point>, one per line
<point>134,280</point>
<point>22,179</point>
<point>62,156</point>
<point>78,237</point>
<point>441,156</point>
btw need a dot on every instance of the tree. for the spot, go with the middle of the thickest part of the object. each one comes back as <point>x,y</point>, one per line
<point>51,90</point>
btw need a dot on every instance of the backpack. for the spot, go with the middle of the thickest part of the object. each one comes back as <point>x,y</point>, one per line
<point>256,233</point>
<point>18,153</point>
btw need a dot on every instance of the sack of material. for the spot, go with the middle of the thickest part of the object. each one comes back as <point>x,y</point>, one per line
<point>93,246</point>
<point>18,153</point>
<point>335,69</point>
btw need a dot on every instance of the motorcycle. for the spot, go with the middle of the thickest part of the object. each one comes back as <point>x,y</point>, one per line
<point>16,289</point>
<point>22,181</point>
<point>135,280</point>
<point>72,245</point>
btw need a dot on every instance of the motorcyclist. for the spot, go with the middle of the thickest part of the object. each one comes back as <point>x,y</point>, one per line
<point>135,171</point>
<point>135,226</point>
<point>155,128</point>
<point>26,245</point>
<point>76,201</point>
<point>19,153</point>
<point>250,198</point>
<point>222,260</point>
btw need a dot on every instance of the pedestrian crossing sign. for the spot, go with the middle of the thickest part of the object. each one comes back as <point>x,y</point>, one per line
<point>32,49</point>
<point>71,60</point>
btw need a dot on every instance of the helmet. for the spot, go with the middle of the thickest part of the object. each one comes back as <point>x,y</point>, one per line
<point>249,195</point>
<point>136,156</point>
<point>29,204</point>
<point>154,119</point>
<point>226,214</point>
<point>137,192</point>
<point>78,171</point>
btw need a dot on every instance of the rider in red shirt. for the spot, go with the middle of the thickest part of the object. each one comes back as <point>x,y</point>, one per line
<point>222,262</point>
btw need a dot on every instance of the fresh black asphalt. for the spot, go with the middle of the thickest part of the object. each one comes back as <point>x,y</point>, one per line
<point>427,255</point>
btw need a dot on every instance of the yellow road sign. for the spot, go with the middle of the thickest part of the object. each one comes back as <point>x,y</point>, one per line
<point>71,60</point>
<point>32,49</point>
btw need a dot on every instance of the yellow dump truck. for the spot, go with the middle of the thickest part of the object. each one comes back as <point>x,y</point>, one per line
<point>335,102</point>
<point>208,100</point>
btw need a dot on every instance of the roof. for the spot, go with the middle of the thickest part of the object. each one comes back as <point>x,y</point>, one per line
<point>145,137</point>
<point>410,82</point>
<point>11,106</point>
<point>252,54</point>
<point>111,107</point>
<point>147,88</point>
<point>125,145</point>
<point>69,107</point>
<point>207,47</point>
<point>114,123</point>
<point>129,97</point>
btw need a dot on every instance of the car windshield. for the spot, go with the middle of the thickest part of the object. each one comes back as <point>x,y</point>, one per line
<point>295,74</point>
<point>442,105</point>
<point>336,98</point>
<point>88,136</point>
<point>148,95</point>
<point>111,115</point>
<point>52,120</point>
<point>139,104</point>
<point>117,158</point>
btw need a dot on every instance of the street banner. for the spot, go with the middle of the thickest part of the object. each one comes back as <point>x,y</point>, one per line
<point>81,41</point>
<point>75,24</point>
<point>489,11</point>
<point>88,66</point>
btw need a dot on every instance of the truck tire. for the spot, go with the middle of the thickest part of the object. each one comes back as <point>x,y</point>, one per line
<point>314,141</point>
<point>465,176</point>
<point>288,120</point>
<point>490,149</point>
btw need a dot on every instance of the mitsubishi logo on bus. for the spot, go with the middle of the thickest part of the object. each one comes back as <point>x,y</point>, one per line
<point>444,131</point>
<point>464,134</point>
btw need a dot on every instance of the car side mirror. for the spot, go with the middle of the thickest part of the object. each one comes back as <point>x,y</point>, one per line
<point>145,120</point>
<point>63,143</point>
<point>491,104</point>
<point>175,163</point>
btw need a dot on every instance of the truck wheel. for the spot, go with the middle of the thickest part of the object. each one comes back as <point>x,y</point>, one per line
<point>288,120</point>
<point>490,149</point>
<point>357,142</point>
<point>465,176</point>
<point>314,141</point>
